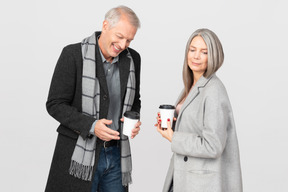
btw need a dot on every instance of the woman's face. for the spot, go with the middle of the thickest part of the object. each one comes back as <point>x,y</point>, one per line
<point>198,55</point>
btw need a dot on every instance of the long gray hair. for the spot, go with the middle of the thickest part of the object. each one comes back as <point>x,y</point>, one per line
<point>215,58</point>
<point>114,14</point>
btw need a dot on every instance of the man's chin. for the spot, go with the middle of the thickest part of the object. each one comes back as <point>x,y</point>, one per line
<point>115,54</point>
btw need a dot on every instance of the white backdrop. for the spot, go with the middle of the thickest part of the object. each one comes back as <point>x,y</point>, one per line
<point>254,37</point>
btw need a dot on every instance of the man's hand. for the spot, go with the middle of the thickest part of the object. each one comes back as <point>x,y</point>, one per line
<point>105,133</point>
<point>136,130</point>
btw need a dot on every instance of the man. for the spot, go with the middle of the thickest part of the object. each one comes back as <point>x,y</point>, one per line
<point>93,84</point>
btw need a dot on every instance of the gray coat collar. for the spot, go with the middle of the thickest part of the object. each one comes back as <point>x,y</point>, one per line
<point>202,82</point>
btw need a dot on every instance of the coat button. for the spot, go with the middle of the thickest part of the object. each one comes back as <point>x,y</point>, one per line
<point>185,158</point>
<point>104,97</point>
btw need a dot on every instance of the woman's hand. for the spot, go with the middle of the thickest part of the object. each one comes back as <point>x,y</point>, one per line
<point>166,133</point>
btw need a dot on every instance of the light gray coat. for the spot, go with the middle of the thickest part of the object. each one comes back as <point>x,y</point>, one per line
<point>204,145</point>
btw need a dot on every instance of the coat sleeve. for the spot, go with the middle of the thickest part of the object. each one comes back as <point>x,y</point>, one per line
<point>210,141</point>
<point>62,95</point>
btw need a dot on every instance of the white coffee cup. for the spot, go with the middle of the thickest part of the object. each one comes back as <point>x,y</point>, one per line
<point>166,112</point>
<point>130,120</point>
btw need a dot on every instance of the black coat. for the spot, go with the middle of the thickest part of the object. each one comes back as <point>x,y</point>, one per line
<point>65,105</point>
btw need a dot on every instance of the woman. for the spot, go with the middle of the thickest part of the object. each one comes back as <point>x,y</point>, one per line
<point>204,144</point>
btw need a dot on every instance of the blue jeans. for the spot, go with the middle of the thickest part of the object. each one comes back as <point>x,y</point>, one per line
<point>108,177</point>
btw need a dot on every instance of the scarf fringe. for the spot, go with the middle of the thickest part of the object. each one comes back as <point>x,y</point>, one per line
<point>81,171</point>
<point>126,178</point>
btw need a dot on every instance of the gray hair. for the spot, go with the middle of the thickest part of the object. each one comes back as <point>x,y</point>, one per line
<point>215,57</point>
<point>114,14</point>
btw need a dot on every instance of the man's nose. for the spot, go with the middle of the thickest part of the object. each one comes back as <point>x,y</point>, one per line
<point>123,44</point>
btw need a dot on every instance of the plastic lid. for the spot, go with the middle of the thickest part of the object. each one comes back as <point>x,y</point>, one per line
<point>132,114</point>
<point>166,107</point>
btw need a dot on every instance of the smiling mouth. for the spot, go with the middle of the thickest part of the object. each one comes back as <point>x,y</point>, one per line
<point>117,49</point>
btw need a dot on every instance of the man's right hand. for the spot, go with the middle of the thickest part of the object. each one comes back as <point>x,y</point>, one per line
<point>105,133</point>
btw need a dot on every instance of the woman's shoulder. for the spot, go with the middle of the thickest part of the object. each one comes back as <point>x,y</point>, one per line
<point>215,86</point>
<point>215,81</point>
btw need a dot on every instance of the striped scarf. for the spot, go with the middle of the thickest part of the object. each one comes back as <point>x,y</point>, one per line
<point>83,157</point>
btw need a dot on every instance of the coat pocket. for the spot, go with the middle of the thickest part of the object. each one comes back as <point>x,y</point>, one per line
<point>67,132</point>
<point>203,180</point>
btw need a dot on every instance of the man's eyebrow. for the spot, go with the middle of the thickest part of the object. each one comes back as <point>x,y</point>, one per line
<point>120,34</point>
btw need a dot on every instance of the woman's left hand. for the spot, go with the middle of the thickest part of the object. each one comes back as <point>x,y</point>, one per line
<point>166,133</point>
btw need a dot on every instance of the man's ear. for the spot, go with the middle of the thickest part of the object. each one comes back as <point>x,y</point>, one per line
<point>105,25</point>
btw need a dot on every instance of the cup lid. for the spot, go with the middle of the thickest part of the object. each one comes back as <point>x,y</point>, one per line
<point>132,114</point>
<point>166,106</point>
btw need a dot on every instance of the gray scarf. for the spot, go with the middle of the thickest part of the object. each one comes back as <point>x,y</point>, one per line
<point>83,158</point>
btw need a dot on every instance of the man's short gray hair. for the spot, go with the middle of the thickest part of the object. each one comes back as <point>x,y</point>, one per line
<point>114,14</point>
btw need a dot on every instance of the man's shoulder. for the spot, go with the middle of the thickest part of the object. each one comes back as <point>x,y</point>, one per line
<point>72,51</point>
<point>133,52</point>
<point>135,55</point>
<point>76,47</point>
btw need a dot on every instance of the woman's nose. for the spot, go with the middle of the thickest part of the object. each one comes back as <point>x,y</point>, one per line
<point>197,55</point>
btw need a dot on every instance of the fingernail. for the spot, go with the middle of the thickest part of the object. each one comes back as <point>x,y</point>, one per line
<point>168,119</point>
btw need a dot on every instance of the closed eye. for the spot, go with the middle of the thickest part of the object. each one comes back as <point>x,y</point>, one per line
<point>120,37</point>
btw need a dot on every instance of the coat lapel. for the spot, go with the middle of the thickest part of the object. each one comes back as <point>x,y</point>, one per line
<point>124,68</point>
<point>194,93</point>
<point>100,72</point>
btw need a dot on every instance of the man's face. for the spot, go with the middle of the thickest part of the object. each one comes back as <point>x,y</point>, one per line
<point>116,39</point>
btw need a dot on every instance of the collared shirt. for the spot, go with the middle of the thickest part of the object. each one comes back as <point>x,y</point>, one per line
<point>113,84</point>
